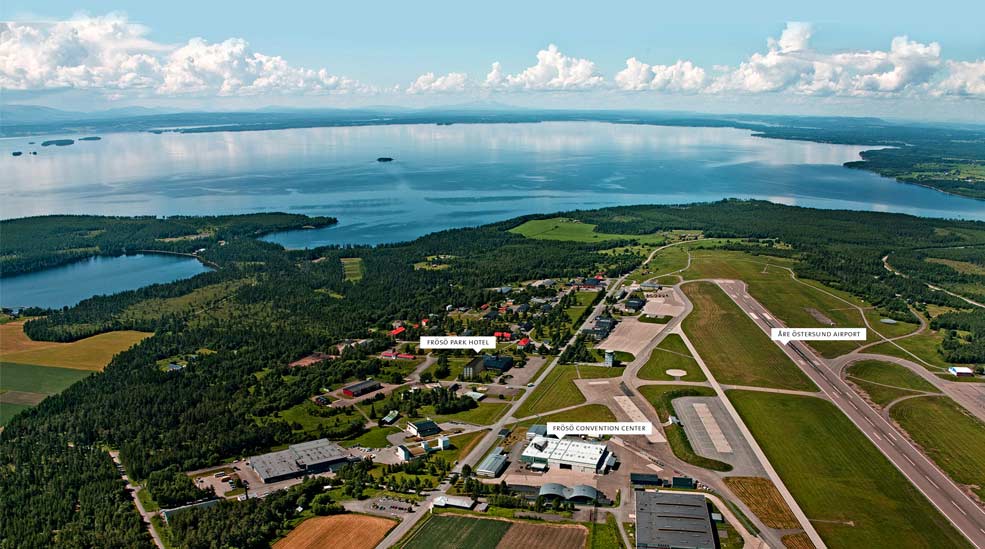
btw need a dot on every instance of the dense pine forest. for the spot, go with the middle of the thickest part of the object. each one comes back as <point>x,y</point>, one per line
<point>264,307</point>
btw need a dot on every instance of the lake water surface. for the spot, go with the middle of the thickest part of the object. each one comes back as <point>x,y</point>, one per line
<point>69,284</point>
<point>442,177</point>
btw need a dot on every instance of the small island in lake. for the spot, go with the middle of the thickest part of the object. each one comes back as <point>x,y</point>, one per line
<point>91,138</point>
<point>16,153</point>
<point>58,142</point>
<point>384,159</point>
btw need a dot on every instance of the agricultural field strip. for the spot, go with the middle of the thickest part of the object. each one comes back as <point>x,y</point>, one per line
<point>968,522</point>
<point>805,523</point>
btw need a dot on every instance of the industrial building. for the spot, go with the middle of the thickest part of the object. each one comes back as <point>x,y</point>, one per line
<point>673,520</point>
<point>306,458</point>
<point>493,465</point>
<point>424,428</point>
<point>581,493</point>
<point>569,453</point>
<point>361,388</point>
<point>499,363</point>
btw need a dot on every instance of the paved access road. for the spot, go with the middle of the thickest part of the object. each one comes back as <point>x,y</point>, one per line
<point>966,515</point>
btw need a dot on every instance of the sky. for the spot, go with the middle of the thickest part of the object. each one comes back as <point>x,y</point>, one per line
<point>832,57</point>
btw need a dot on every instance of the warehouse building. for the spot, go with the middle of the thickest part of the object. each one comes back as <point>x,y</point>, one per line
<point>493,465</point>
<point>673,520</point>
<point>424,428</point>
<point>569,453</point>
<point>361,388</point>
<point>306,458</point>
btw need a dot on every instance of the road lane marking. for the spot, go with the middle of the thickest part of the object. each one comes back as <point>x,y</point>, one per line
<point>876,435</point>
<point>959,508</point>
<point>869,420</point>
<point>932,482</point>
<point>910,460</point>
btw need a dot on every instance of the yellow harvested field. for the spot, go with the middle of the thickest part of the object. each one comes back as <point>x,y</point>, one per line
<point>349,531</point>
<point>797,541</point>
<point>764,500</point>
<point>13,339</point>
<point>543,536</point>
<point>91,353</point>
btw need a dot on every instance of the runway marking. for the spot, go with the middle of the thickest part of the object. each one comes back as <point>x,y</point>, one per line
<point>654,467</point>
<point>959,509</point>
<point>891,436</point>
<point>635,414</point>
<point>711,426</point>
<point>932,482</point>
<point>853,405</point>
<point>869,420</point>
<point>910,460</point>
<point>875,434</point>
<point>752,314</point>
<point>598,382</point>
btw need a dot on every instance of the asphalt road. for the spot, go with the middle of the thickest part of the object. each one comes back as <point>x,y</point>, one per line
<point>966,515</point>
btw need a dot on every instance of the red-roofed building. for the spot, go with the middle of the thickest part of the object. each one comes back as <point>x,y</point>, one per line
<point>398,331</point>
<point>389,355</point>
<point>498,334</point>
<point>406,356</point>
<point>523,342</point>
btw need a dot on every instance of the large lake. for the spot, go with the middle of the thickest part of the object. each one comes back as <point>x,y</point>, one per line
<point>442,176</point>
<point>69,284</point>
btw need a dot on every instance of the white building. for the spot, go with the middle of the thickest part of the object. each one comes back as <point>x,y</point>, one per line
<point>961,371</point>
<point>569,453</point>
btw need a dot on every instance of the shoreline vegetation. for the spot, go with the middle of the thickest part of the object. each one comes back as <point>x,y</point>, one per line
<point>947,158</point>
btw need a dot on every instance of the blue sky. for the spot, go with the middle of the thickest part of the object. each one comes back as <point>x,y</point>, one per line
<point>383,45</point>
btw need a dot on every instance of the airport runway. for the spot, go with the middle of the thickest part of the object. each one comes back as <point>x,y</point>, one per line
<point>966,515</point>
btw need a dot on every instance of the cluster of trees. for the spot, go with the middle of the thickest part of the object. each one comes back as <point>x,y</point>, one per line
<point>172,487</point>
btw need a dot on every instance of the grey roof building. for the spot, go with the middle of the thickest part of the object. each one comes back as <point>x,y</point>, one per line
<point>670,520</point>
<point>306,458</point>
<point>493,465</point>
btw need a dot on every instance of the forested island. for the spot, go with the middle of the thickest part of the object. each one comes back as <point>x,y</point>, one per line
<point>950,158</point>
<point>36,243</point>
<point>265,307</point>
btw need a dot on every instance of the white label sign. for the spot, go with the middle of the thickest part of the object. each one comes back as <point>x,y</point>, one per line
<point>458,342</point>
<point>786,335</point>
<point>595,428</point>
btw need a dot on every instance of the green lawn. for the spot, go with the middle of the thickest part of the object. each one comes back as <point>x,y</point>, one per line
<point>455,367</point>
<point>452,532</point>
<point>853,494</point>
<point>873,376</point>
<point>374,438</point>
<point>559,228</point>
<point>798,305</point>
<point>352,267</point>
<point>950,435</point>
<point>604,536</point>
<point>588,412</point>
<point>923,345</point>
<point>735,350</point>
<point>558,389</point>
<point>671,353</point>
<point>889,330</point>
<point>306,415</point>
<point>487,413</point>
<point>37,379</point>
<point>9,410</point>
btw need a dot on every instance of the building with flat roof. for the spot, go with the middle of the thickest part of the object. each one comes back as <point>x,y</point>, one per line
<point>361,388</point>
<point>423,428</point>
<point>672,520</point>
<point>961,371</point>
<point>306,458</point>
<point>569,453</point>
<point>453,501</point>
<point>493,465</point>
<point>538,429</point>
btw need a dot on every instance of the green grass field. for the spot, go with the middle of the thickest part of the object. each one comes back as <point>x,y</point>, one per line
<point>559,228</point>
<point>798,305</point>
<point>735,350</point>
<point>923,345</point>
<point>671,353</point>
<point>9,410</point>
<point>37,379</point>
<point>374,438</point>
<point>889,330</point>
<point>885,381</point>
<point>949,434</point>
<point>452,532</point>
<point>352,268</point>
<point>487,413</point>
<point>558,389</point>
<point>588,412</point>
<point>604,536</point>
<point>853,494</point>
<point>305,415</point>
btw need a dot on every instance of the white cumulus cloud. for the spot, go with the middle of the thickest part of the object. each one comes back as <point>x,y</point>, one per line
<point>431,83</point>
<point>553,71</point>
<point>111,52</point>
<point>682,76</point>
